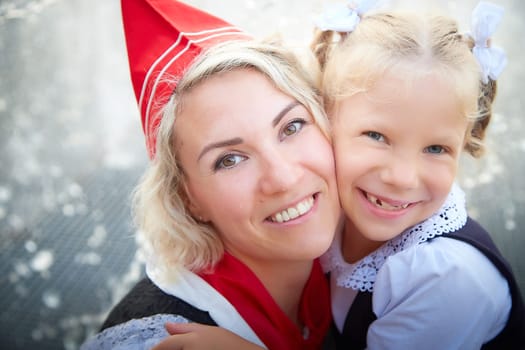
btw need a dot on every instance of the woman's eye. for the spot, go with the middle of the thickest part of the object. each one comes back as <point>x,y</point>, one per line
<point>375,136</point>
<point>293,127</point>
<point>228,161</point>
<point>435,149</point>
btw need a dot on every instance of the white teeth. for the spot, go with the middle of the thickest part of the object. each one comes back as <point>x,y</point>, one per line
<point>303,208</point>
<point>383,205</point>
<point>294,212</point>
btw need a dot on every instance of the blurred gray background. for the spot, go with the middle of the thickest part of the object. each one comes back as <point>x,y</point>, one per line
<point>72,150</point>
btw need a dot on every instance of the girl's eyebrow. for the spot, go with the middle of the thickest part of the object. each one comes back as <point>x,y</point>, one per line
<point>283,112</point>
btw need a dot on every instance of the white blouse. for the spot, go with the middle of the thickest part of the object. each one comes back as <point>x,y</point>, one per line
<point>427,294</point>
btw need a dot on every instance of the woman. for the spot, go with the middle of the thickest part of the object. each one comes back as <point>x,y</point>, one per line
<point>240,197</point>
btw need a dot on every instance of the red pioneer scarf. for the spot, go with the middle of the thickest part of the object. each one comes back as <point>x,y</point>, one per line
<point>237,283</point>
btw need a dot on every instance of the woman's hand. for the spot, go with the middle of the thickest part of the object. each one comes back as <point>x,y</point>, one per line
<point>195,336</point>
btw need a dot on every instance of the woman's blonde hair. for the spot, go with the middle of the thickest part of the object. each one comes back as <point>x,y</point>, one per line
<point>412,45</point>
<point>168,234</point>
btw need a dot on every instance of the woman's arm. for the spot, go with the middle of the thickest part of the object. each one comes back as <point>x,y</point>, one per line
<point>136,334</point>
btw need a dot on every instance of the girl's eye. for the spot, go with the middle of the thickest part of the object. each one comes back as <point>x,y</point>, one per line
<point>293,127</point>
<point>228,161</point>
<point>435,149</point>
<point>375,136</point>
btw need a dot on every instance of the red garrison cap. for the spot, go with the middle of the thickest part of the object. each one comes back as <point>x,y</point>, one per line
<point>163,37</point>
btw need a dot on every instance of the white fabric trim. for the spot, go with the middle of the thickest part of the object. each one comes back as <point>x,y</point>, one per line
<point>361,275</point>
<point>172,47</point>
<point>189,287</point>
<point>344,18</point>
<point>230,30</point>
<point>485,19</point>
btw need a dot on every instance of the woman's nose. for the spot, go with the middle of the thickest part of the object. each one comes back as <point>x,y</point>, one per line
<point>279,173</point>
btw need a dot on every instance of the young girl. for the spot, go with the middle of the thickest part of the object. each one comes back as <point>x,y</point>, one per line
<point>411,270</point>
<point>406,95</point>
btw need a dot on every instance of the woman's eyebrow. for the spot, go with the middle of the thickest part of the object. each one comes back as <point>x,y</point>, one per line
<point>231,142</point>
<point>238,140</point>
<point>285,110</point>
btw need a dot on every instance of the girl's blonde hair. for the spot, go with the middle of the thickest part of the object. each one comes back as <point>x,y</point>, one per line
<point>411,45</point>
<point>168,234</point>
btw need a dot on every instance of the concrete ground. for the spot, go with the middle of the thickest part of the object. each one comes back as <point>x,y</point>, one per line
<point>72,150</point>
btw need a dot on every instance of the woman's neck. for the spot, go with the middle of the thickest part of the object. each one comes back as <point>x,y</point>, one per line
<point>285,281</point>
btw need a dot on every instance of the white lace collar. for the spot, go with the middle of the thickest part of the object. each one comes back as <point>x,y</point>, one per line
<point>361,275</point>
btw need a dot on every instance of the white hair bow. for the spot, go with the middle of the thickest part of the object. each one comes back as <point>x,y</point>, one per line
<point>344,17</point>
<point>485,19</point>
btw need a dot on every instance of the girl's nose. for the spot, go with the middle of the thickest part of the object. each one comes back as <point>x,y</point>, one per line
<point>401,172</point>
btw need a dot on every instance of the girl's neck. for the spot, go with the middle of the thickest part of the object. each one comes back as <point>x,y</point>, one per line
<point>354,246</point>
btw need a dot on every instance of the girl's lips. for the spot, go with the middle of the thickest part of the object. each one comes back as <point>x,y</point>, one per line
<point>386,204</point>
<point>385,207</point>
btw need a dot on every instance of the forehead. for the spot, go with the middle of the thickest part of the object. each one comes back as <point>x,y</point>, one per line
<point>226,104</point>
<point>234,92</point>
<point>401,86</point>
<point>427,100</point>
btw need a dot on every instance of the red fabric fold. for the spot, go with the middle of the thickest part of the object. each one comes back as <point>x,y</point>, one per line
<point>237,283</point>
<point>162,38</point>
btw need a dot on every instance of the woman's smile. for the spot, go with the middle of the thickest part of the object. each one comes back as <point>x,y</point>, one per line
<point>293,212</point>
